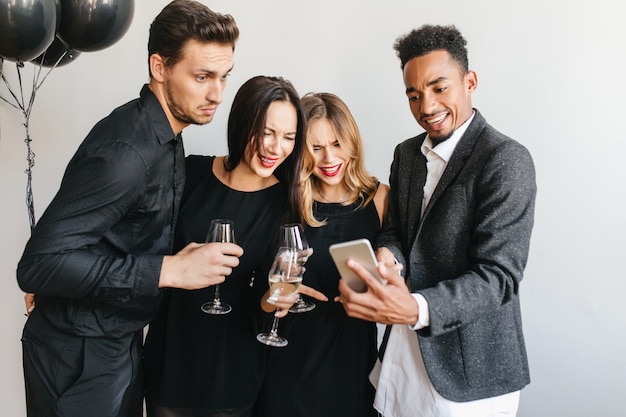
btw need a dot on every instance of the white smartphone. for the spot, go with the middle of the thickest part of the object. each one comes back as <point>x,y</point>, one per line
<point>361,251</point>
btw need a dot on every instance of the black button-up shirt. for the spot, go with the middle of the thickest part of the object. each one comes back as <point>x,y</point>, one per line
<point>94,258</point>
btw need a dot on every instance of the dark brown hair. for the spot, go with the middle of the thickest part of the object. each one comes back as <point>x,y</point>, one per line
<point>183,20</point>
<point>246,123</point>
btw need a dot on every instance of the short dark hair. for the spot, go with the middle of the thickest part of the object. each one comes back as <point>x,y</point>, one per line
<point>246,123</point>
<point>183,20</point>
<point>429,38</point>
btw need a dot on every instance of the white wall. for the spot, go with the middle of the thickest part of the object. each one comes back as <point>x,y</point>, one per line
<point>551,75</point>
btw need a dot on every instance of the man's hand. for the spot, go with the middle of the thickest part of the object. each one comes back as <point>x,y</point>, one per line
<point>199,265</point>
<point>385,257</point>
<point>29,301</point>
<point>386,303</point>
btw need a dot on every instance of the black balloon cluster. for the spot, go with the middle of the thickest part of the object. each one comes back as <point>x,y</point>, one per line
<point>55,32</point>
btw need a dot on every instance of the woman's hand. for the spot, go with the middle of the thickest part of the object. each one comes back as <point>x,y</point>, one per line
<point>282,303</point>
<point>279,303</point>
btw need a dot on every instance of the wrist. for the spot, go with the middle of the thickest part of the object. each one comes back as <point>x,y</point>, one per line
<point>165,276</point>
<point>422,314</point>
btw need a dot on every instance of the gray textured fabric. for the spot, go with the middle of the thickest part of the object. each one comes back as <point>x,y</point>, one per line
<point>466,256</point>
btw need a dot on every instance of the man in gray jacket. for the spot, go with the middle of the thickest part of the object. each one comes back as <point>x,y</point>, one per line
<point>459,221</point>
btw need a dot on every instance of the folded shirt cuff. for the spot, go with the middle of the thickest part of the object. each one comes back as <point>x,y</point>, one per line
<point>423,317</point>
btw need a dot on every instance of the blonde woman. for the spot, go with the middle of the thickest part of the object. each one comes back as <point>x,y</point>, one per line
<point>329,354</point>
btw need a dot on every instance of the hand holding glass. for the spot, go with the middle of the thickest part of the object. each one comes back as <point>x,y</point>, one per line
<point>220,230</point>
<point>284,278</point>
<point>292,236</point>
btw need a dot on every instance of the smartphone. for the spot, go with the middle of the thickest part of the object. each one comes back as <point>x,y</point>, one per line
<point>361,251</point>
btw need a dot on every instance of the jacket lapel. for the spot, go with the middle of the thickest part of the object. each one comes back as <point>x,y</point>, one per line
<point>415,192</point>
<point>457,161</point>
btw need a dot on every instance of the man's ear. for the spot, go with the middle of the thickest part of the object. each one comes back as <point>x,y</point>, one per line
<point>157,67</point>
<point>471,81</point>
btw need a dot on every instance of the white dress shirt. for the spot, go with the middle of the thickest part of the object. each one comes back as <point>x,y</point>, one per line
<point>403,388</point>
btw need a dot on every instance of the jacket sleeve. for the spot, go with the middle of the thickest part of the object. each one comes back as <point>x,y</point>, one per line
<point>486,240</point>
<point>62,258</point>
<point>390,233</point>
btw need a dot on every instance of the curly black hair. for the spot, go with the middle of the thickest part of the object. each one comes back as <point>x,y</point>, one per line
<point>429,38</point>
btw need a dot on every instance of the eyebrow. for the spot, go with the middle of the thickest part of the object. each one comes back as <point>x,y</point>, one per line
<point>334,142</point>
<point>295,132</point>
<point>213,72</point>
<point>430,84</point>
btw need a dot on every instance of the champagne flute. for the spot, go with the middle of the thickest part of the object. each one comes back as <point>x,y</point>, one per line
<point>292,236</point>
<point>284,278</point>
<point>220,230</point>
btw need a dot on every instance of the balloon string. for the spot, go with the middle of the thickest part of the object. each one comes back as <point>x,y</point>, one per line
<point>37,74</point>
<point>30,158</point>
<point>30,155</point>
<point>15,105</point>
<point>19,65</point>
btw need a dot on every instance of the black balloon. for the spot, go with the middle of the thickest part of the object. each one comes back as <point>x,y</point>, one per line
<point>56,50</point>
<point>58,25</point>
<point>27,28</point>
<point>93,25</point>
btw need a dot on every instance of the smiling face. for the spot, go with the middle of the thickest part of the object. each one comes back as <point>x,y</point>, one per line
<point>263,155</point>
<point>439,94</point>
<point>330,159</point>
<point>192,88</point>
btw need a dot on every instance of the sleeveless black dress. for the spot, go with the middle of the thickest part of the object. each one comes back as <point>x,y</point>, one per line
<point>324,369</point>
<point>195,362</point>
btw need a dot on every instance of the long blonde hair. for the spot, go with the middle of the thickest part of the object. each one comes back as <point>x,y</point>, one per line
<point>330,107</point>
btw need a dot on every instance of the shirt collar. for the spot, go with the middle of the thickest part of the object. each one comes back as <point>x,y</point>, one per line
<point>445,149</point>
<point>160,123</point>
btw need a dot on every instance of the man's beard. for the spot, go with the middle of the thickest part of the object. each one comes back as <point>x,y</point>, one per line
<point>179,114</point>
<point>438,139</point>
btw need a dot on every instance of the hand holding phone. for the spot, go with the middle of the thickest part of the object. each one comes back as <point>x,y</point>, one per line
<point>359,250</point>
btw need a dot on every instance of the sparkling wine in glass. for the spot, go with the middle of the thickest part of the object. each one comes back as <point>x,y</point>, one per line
<point>284,278</point>
<point>292,236</point>
<point>220,230</point>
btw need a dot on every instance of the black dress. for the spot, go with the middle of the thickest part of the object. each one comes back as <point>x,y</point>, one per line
<point>324,369</point>
<point>195,362</point>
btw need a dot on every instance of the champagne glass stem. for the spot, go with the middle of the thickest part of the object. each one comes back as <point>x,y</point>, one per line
<point>216,299</point>
<point>274,330</point>
<point>220,230</point>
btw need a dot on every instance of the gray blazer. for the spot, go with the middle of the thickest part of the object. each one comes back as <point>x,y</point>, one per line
<point>466,256</point>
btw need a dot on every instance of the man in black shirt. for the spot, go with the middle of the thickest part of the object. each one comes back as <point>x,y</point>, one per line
<point>101,253</point>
